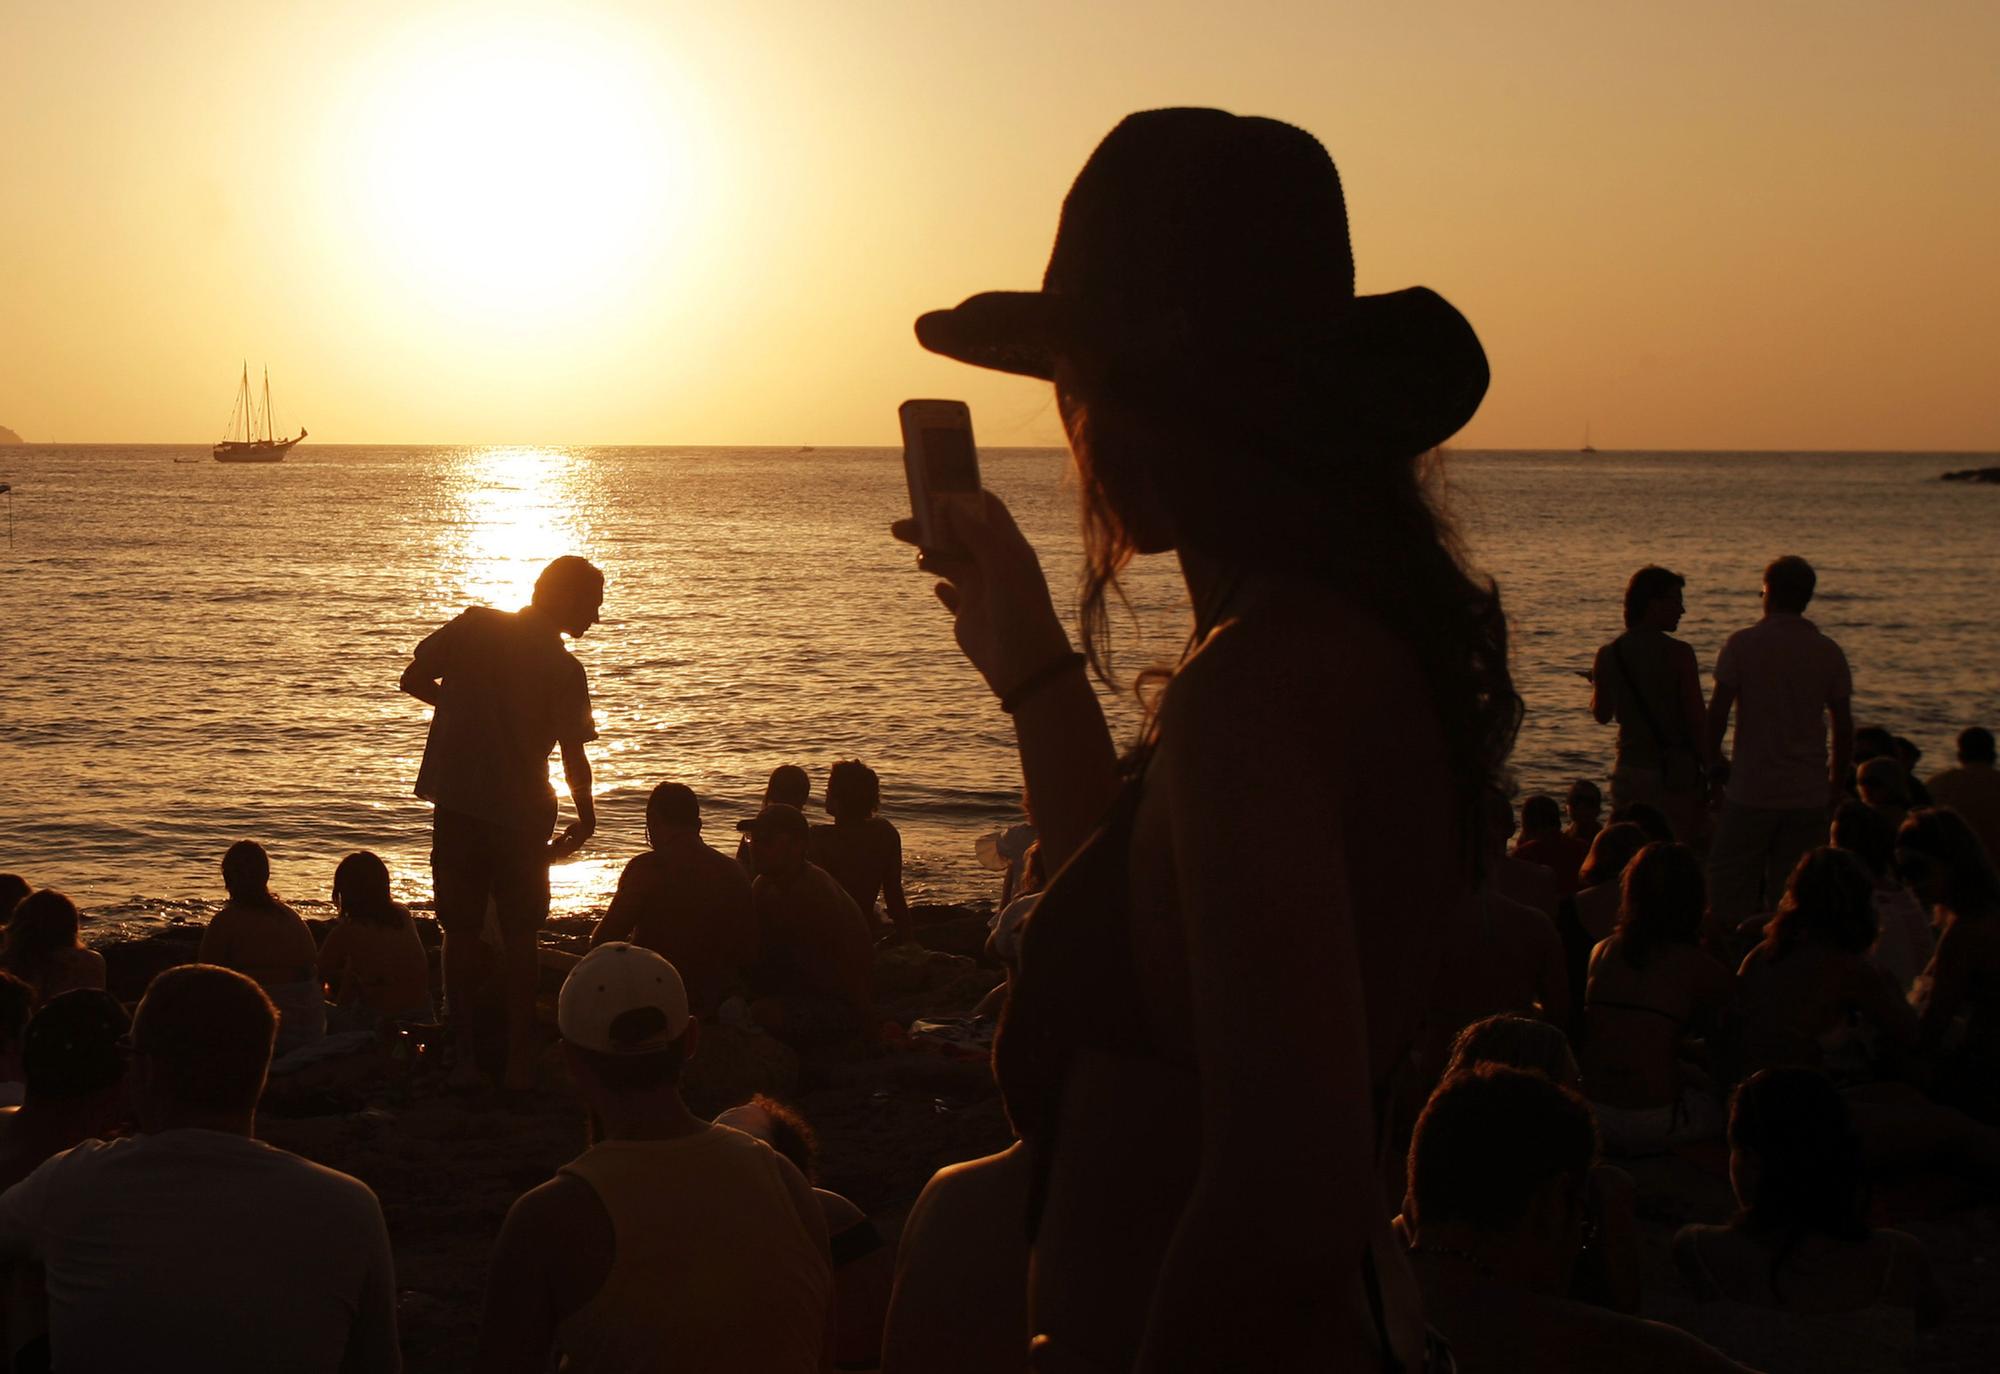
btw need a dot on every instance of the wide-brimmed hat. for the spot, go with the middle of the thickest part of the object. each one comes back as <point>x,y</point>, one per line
<point>1202,239</point>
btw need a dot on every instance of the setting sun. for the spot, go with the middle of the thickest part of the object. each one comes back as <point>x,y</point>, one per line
<point>525,173</point>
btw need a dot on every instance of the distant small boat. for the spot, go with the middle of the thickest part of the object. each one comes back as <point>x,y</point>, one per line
<point>1586,439</point>
<point>249,438</point>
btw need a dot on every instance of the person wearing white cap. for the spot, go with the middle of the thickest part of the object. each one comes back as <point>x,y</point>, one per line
<point>671,1243</point>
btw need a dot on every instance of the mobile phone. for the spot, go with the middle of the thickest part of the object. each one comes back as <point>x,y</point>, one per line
<point>938,459</point>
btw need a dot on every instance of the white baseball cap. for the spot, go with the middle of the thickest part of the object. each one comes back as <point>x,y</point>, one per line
<point>622,999</point>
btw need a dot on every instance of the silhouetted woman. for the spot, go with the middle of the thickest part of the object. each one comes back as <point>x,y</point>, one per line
<point>372,958</point>
<point>860,849</point>
<point>1651,987</point>
<point>262,938</point>
<point>1251,921</point>
<point>1798,1280</point>
<point>1948,868</point>
<point>42,948</point>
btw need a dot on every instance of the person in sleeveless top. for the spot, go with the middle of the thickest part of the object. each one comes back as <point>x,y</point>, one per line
<point>860,848</point>
<point>1798,1280</point>
<point>43,950</point>
<point>672,1244</point>
<point>1247,911</point>
<point>1650,684</point>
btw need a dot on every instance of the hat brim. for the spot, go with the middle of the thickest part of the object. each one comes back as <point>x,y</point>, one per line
<point>1403,368</point>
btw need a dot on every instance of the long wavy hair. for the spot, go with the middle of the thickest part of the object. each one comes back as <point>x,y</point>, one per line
<point>44,925</point>
<point>1664,898</point>
<point>1811,1177</point>
<point>1254,474</point>
<point>1829,898</point>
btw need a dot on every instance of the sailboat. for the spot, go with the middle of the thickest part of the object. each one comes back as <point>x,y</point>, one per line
<point>248,438</point>
<point>1586,439</point>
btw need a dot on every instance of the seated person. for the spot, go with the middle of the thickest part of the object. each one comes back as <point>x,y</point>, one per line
<point>1798,1280</point>
<point>1498,1182</point>
<point>1607,1267</point>
<point>1495,956</point>
<point>43,950</point>
<point>1959,990</point>
<point>860,849</point>
<point>1802,990</point>
<point>373,959</point>
<point>17,1001</point>
<point>863,1267</point>
<point>262,938</point>
<point>73,1055</point>
<point>13,887</point>
<point>1885,787</point>
<point>1904,945</point>
<point>1649,818</point>
<point>671,1243</point>
<point>961,1296</point>
<point>74,1058</point>
<point>1972,789</point>
<point>685,902</point>
<point>1585,803</point>
<point>1543,841</point>
<point>788,784</point>
<point>193,1245</point>
<point>1588,917</point>
<point>1516,879</point>
<point>1651,985</point>
<point>815,953</point>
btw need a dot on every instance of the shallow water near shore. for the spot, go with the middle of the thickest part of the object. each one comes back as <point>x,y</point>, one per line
<point>196,653</point>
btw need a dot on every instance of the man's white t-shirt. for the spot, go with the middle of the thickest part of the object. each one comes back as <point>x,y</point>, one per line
<point>1785,673</point>
<point>196,1249</point>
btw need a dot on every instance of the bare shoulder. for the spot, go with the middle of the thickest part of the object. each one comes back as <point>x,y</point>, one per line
<point>555,1217</point>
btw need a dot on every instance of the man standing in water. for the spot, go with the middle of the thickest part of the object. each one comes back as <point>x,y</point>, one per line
<point>1786,681</point>
<point>506,692</point>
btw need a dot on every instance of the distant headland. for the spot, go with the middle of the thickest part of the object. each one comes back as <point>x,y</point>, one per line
<point>8,436</point>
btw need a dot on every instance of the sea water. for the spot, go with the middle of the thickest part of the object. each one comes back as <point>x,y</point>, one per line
<point>193,653</point>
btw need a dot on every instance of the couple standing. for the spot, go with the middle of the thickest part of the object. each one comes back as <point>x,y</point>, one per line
<point>1782,678</point>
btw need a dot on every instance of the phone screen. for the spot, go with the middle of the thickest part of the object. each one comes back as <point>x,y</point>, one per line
<point>949,462</point>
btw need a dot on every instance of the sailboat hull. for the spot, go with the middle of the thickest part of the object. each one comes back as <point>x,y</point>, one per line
<point>255,451</point>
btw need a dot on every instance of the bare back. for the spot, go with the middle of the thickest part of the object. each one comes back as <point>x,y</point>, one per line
<point>1636,1018</point>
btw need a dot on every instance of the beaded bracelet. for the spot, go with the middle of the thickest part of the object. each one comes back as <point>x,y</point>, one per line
<point>1030,686</point>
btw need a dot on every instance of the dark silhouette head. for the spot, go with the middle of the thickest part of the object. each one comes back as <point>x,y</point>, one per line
<point>780,1126</point>
<point>1873,742</point>
<point>1882,782</point>
<point>778,840</point>
<point>1830,900</point>
<point>17,1000</point>
<point>790,785</point>
<point>1665,898</point>
<point>570,591</point>
<point>44,925</point>
<point>1653,599</point>
<point>1226,392</point>
<point>1940,857</point>
<point>1975,745</point>
<point>853,791</point>
<point>1859,829</point>
<point>1495,1144</point>
<point>246,874</point>
<point>1540,815</point>
<point>1610,852</point>
<point>201,1044</point>
<point>1585,801</point>
<point>1788,584</point>
<point>1795,1161</point>
<point>1519,1042</point>
<point>75,1047</point>
<point>13,887</point>
<point>672,807</point>
<point>1648,818</point>
<point>361,891</point>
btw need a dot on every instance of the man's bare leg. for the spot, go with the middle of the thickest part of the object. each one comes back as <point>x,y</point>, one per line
<point>520,973</point>
<point>466,964</point>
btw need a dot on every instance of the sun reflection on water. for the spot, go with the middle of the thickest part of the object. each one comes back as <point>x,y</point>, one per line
<point>518,508</point>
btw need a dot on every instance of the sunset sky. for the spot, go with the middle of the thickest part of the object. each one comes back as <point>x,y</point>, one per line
<point>1699,225</point>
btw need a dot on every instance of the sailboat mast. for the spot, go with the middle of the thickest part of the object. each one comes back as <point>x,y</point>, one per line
<point>270,429</point>
<point>244,399</point>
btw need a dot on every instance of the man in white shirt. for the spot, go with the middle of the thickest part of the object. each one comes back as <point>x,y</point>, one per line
<point>192,1245</point>
<point>1785,679</point>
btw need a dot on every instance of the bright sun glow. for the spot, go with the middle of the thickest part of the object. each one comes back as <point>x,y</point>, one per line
<point>518,172</point>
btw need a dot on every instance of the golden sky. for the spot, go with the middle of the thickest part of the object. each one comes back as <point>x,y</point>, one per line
<point>1697,225</point>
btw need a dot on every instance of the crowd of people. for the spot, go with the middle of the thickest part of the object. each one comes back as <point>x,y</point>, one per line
<point>1305,1062</point>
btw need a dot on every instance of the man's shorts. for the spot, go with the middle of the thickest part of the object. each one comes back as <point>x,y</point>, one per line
<point>474,860</point>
